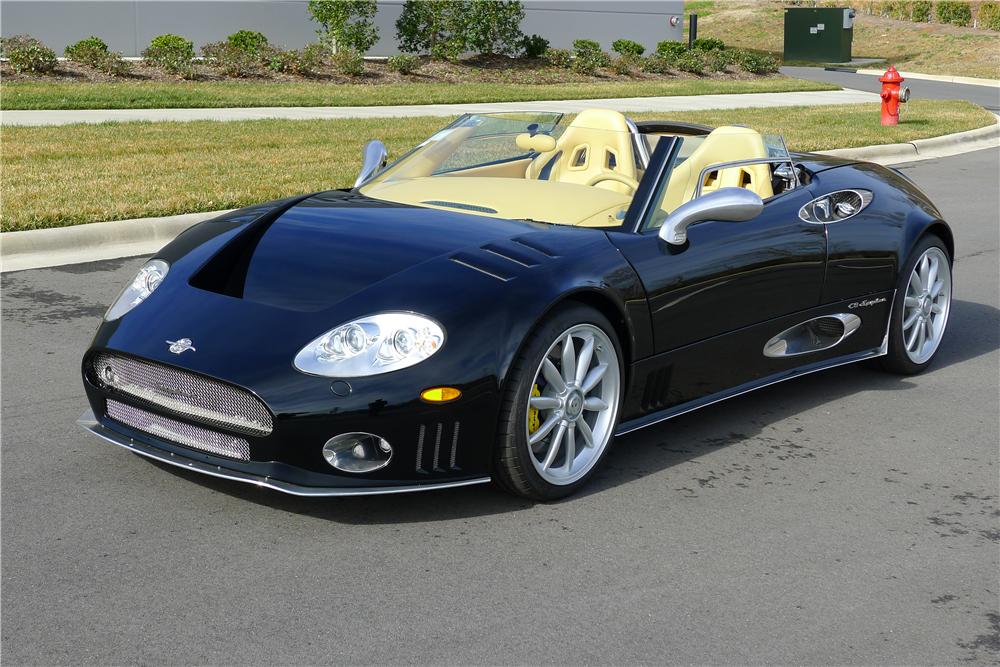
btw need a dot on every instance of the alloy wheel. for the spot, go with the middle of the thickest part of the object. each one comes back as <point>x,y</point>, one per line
<point>577,387</point>
<point>926,305</point>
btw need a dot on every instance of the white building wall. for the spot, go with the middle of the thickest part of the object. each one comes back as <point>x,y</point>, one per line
<point>129,25</point>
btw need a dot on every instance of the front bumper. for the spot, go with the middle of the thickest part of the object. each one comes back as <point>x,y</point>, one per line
<point>90,423</point>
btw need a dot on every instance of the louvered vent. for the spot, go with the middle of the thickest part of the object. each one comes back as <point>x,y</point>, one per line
<point>437,447</point>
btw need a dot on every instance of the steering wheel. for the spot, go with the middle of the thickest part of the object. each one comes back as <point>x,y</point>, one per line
<point>613,176</point>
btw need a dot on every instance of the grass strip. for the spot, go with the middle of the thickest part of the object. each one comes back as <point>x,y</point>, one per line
<point>74,174</point>
<point>27,95</point>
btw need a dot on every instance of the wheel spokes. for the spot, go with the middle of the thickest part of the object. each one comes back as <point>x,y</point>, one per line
<point>583,361</point>
<point>552,376</point>
<point>568,359</point>
<point>936,290</point>
<point>543,430</point>
<point>911,320</point>
<point>570,450</point>
<point>593,377</point>
<point>594,404</point>
<point>544,402</point>
<point>585,433</point>
<point>554,444</point>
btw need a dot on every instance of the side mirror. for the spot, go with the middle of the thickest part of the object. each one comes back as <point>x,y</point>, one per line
<point>728,204</point>
<point>373,157</point>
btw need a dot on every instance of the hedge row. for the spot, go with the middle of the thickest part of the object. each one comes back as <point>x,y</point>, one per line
<point>984,15</point>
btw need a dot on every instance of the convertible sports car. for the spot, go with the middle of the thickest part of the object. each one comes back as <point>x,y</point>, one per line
<point>506,298</point>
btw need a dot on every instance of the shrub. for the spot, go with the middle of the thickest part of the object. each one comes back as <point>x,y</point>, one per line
<point>920,11</point>
<point>708,44</point>
<point>534,46</point>
<point>559,57</point>
<point>989,16</point>
<point>493,26</point>
<point>690,61</point>
<point>432,26</point>
<point>626,47</point>
<point>670,49</point>
<point>306,61</point>
<point>588,56</point>
<point>756,63</point>
<point>232,60</point>
<point>28,55</point>
<point>403,63</point>
<point>656,64</point>
<point>625,65</point>
<point>250,42</point>
<point>84,50</point>
<point>347,24</point>
<point>955,12</point>
<point>718,61</point>
<point>172,54</point>
<point>349,62</point>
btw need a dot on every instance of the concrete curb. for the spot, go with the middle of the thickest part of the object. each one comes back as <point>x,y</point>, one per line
<point>925,149</point>
<point>39,248</point>
<point>964,80</point>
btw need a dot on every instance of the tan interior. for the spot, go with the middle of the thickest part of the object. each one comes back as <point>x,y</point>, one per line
<point>596,143</point>
<point>517,198</point>
<point>553,187</point>
<point>724,144</point>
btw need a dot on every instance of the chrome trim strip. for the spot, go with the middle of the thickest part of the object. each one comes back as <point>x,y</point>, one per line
<point>691,406</point>
<point>480,270</point>
<point>88,422</point>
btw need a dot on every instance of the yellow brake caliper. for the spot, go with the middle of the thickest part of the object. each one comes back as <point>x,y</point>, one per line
<point>533,422</point>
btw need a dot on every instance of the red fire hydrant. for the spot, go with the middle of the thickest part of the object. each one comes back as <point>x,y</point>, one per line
<point>893,94</point>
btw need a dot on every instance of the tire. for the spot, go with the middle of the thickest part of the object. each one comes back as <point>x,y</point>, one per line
<point>910,349</point>
<point>524,461</point>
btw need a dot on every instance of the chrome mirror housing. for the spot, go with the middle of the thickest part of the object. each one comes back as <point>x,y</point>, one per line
<point>374,156</point>
<point>726,204</point>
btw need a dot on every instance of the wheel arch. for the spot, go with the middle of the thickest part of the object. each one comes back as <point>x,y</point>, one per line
<point>940,229</point>
<point>590,297</point>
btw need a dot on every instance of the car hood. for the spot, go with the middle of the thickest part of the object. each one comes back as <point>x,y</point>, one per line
<point>323,249</point>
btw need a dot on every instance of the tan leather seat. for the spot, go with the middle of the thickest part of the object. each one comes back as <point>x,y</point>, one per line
<point>597,142</point>
<point>724,144</point>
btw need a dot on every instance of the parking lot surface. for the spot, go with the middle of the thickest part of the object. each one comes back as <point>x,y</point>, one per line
<point>845,517</point>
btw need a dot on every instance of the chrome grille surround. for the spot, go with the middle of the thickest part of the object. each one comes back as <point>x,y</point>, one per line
<point>195,437</point>
<point>183,394</point>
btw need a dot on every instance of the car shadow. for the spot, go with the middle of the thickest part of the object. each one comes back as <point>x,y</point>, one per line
<point>974,331</point>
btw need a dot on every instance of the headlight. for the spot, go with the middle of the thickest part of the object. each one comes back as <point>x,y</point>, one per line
<point>145,282</point>
<point>372,345</point>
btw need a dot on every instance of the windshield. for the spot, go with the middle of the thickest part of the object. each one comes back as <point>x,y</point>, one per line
<point>574,170</point>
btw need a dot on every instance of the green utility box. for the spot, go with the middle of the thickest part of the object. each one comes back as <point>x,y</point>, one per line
<point>818,34</point>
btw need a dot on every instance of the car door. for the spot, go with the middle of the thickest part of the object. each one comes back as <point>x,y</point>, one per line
<point>726,279</point>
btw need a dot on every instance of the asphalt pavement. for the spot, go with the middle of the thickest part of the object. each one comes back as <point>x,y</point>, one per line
<point>848,517</point>
<point>985,96</point>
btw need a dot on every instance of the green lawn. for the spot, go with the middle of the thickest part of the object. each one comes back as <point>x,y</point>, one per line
<point>58,176</point>
<point>20,95</point>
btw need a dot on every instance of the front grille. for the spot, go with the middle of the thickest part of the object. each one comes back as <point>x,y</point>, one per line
<point>195,437</point>
<point>183,394</point>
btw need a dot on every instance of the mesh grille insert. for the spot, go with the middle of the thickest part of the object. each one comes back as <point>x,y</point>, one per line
<point>194,437</point>
<point>184,394</point>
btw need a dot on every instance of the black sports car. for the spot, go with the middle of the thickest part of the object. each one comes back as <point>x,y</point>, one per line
<point>507,297</point>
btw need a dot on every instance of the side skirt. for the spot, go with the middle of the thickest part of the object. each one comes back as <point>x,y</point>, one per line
<point>677,410</point>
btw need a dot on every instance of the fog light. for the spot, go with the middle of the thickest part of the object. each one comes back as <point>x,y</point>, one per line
<point>357,452</point>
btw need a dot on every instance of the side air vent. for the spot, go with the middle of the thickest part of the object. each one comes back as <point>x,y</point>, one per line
<point>531,241</point>
<point>437,447</point>
<point>814,335</point>
<point>487,265</point>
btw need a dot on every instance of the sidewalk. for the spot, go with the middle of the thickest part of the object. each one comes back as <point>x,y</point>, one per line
<point>636,104</point>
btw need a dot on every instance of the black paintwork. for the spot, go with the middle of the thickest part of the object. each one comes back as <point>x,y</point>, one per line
<point>251,288</point>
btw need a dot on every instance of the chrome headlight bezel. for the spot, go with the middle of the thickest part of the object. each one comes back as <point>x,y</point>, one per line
<point>371,345</point>
<point>145,282</point>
